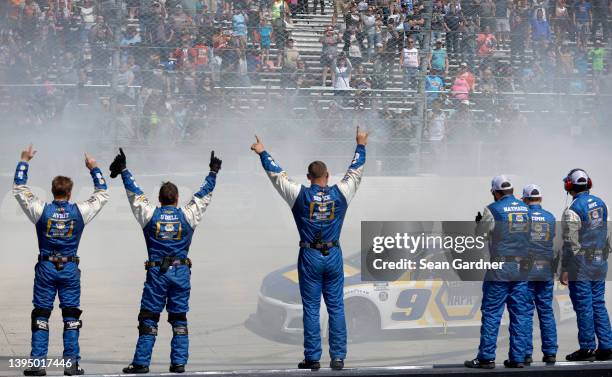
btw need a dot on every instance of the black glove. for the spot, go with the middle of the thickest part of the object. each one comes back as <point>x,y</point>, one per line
<point>118,165</point>
<point>478,217</point>
<point>215,163</point>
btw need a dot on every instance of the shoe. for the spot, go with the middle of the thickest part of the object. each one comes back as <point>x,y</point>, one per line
<point>336,364</point>
<point>136,369</point>
<point>74,370</point>
<point>309,364</point>
<point>513,364</point>
<point>177,368</point>
<point>549,359</point>
<point>35,371</point>
<point>477,363</point>
<point>603,354</point>
<point>581,355</point>
<point>528,360</point>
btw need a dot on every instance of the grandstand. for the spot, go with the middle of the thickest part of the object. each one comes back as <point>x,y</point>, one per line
<point>189,64</point>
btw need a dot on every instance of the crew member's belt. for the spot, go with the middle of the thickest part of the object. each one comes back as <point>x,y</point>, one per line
<point>509,258</point>
<point>58,260</point>
<point>323,247</point>
<point>542,263</point>
<point>525,263</point>
<point>590,254</point>
<point>165,263</point>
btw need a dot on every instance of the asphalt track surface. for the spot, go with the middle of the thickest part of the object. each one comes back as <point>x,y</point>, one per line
<point>246,233</point>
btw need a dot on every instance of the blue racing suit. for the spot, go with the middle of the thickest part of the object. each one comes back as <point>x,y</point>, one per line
<point>541,279</point>
<point>319,213</point>
<point>585,248</point>
<point>59,226</point>
<point>168,231</point>
<point>507,223</point>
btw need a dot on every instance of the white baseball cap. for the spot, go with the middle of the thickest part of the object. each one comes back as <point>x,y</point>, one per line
<point>501,182</point>
<point>532,191</point>
<point>578,177</point>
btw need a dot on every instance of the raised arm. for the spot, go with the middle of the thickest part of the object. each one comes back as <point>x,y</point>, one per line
<point>350,183</point>
<point>92,206</point>
<point>31,205</point>
<point>194,210</point>
<point>141,208</point>
<point>287,188</point>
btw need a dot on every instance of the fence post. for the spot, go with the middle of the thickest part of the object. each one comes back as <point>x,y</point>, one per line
<point>422,94</point>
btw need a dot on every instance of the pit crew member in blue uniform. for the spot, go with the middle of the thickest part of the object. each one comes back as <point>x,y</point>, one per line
<point>541,276</point>
<point>506,223</point>
<point>168,230</point>
<point>584,266</point>
<point>59,226</point>
<point>319,211</point>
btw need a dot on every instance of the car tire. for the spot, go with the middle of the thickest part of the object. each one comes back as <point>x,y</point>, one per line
<point>362,320</point>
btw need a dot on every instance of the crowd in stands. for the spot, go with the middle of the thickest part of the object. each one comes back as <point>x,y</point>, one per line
<point>187,60</point>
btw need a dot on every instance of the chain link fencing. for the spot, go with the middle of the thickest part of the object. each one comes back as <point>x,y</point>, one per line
<point>435,86</point>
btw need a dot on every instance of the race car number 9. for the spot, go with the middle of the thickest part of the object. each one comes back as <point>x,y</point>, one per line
<point>413,303</point>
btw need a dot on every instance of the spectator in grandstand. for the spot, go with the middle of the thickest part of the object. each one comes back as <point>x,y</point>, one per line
<point>438,59</point>
<point>354,51</point>
<point>180,21</point>
<point>464,72</point>
<point>409,64</point>
<point>502,24</point>
<point>561,19</point>
<point>434,86</point>
<point>341,73</point>
<point>582,20</point>
<point>487,45</point>
<point>352,22</point>
<point>413,24</point>
<point>597,54</point>
<point>368,21</point>
<point>434,132</point>
<point>452,25</point>
<point>469,31</point>
<point>265,35</point>
<point>361,82</point>
<point>487,14</point>
<point>540,30</point>
<point>437,21</point>
<point>601,12</point>
<point>381,69</point>
<point>519,28</point>
<point>288,60</point>
<point>131,37</point>
<point>160,33</point>
<point>239,26</point>
<point>460,90</point>
<point>329,53</point>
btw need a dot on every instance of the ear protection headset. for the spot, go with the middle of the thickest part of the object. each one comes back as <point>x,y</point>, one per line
<point>568,185</point>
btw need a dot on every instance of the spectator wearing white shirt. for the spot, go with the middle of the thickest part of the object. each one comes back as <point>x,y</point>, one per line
<point>409,63</point>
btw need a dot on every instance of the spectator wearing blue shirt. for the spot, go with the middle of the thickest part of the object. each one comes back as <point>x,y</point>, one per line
<point>540,31</point>
<point>265,34</point>
<point>438,58</point>
<point>582,20</point>
<point>434,86</point>
<point>239,26</point>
